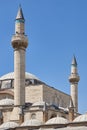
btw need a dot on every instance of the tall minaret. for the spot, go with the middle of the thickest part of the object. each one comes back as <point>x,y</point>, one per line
<point>74,79</point>
<point>19,43</point>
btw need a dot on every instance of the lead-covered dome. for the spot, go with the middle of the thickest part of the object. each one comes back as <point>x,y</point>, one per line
<point>7,81</point>
<point>8,125</point>
<point>57,120</point>
<point>32,122</point>
<point>81,118</point>
<point>11,76</point>
<point>6,101</point>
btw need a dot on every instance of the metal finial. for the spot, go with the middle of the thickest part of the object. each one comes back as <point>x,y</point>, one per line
<point>19,5</point>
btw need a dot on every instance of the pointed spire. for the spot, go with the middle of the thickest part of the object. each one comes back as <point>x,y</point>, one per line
<point>74,62</point>
<point>20,14</point>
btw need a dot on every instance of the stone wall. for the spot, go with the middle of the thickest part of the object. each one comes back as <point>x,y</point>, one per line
<point>33,93</point>
<point>56,97</point>
<point>6,116</point>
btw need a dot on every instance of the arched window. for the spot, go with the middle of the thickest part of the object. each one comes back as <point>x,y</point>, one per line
<point>53,115</point>
<point>33,116</point>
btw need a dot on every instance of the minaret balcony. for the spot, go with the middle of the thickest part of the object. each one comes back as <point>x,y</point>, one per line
<point>19,40</point>
<point>74,78</point>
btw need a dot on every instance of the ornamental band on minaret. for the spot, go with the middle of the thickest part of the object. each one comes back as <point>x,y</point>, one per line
<point>74,79</point>
<point>19,43</point>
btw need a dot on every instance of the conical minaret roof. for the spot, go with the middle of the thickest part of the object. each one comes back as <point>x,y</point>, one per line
<point>74,62</point>
<point>20,14</point>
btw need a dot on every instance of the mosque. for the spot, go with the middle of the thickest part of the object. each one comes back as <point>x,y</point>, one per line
<point>27,103</point>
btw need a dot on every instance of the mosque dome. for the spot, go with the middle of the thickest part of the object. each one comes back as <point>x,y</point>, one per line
<point>7,81</point>
<point>57,120</point>
<point>32,122</point>
<point>6,101</point>
<point>8,125</point>
<point>81,118</point>
<point>11,76</point>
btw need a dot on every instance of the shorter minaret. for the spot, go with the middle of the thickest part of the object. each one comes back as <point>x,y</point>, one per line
<point>74,79</point>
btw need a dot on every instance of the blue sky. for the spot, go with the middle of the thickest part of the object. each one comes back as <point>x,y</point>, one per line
<point>56,29</point>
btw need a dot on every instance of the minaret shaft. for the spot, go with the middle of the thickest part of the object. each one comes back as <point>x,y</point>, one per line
<point>74,95</point>
<point>19,69</point>
<point>19,27</point>
<point>73,70</point>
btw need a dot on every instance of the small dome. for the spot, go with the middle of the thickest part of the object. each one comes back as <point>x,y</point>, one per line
<point>32,122</point>
<point>81,118</point>
<point>40,103</point>
<point>8,125</point>
<point>7,101</point>
<point>57,120</point>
